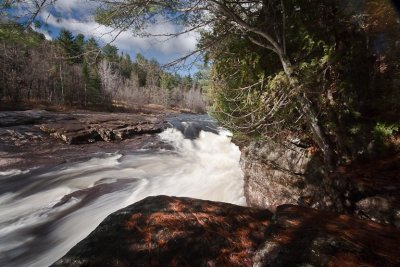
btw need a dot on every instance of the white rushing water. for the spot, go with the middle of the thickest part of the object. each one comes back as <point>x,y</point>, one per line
<point>45,214</point>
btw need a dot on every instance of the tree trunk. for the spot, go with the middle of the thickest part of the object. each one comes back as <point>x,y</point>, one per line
<point>62,84</point>
<point>307,109</point>
<point>85,95</point>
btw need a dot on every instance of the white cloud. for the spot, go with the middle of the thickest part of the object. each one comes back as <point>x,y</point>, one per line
<point>68,5</point>
<point>75,16</point>
<point>44,32</point>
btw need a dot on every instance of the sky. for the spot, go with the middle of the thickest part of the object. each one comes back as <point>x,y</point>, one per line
<point>77,17</point>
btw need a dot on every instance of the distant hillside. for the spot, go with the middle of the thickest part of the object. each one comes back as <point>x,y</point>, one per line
<point>75,70</point>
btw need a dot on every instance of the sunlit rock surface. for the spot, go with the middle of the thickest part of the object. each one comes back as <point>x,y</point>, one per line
<point>171,231</point>
<point>286,173</point>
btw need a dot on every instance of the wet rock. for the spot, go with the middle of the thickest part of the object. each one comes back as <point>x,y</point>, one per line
<point>286,173</point>
<point>170,231</point>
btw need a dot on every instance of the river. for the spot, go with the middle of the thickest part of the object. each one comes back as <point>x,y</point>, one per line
<point>44,212</point>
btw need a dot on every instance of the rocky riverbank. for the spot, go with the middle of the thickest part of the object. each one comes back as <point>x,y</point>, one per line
<point>287,173</point>
<point>37,137</point>
<point>293,218</point>
<point>171,231</point>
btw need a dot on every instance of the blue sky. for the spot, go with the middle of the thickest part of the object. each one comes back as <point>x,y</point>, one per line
<point>77,16</point>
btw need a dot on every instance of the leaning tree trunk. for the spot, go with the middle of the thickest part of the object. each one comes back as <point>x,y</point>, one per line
<point>307,109</point>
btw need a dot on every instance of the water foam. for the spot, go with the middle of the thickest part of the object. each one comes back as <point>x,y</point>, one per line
<point>86,192</point>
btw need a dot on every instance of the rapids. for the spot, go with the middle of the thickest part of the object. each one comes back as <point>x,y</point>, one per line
<point>45,212</point>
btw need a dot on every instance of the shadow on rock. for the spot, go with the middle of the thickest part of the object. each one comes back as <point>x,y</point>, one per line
<point>301,236</point>
<point>168,231</point>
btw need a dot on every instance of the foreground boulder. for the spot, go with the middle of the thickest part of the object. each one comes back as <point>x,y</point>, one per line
<point>168,231</point>
<point>171,231</point>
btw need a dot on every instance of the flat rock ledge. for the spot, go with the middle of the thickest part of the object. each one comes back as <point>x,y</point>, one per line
<point>90,128</point>
<point>33,138</point>
<point>84,127</point>
<point>172,231</point>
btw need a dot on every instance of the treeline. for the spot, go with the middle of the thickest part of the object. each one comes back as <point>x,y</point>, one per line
<point>75,70</point>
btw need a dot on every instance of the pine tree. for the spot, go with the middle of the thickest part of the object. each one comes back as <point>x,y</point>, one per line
<point>110,52</point>
<point>67,41</point>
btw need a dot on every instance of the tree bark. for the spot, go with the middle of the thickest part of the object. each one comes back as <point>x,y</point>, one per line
<point>62,84</point>
<point>307,109</point>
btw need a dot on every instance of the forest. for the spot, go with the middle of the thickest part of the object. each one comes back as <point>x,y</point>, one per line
<point>76,71</point>
<point>323,72</point>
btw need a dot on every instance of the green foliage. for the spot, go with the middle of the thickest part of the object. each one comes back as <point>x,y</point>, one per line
<point>355,130</point>
<point>125,66</point>
<point>110,52</point>
<point>168,81</point>
<point>80,41</point>
<point>187,82</point>
<point>14,33</point>
<point>334,62</point>
<point>137,15</point>
<point>37,24</point>
<point>383,130</point>
<point>249,91</point>
<point>73,46</point>
<point>91,51</point>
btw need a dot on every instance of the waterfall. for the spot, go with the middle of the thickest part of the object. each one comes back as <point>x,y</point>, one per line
<point>45,212</point>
